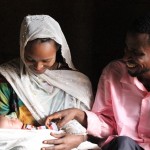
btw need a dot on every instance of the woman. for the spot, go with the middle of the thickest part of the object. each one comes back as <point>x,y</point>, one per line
<point>43,80</point>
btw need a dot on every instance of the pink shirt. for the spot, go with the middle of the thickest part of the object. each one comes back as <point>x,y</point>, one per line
<point>122,107</point>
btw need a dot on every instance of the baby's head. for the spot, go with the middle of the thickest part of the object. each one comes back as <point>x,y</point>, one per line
<point>10,123</point>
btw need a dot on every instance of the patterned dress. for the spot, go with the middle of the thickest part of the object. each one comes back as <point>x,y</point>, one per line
<point>11,105</point>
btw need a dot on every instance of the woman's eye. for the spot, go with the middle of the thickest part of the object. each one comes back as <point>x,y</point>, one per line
<point>47,61</point>
<point>29,59</point>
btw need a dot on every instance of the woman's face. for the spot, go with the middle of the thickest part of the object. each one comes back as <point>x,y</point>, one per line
<point>40,56</point>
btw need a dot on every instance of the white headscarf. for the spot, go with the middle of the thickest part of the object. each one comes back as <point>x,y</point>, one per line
<point>31,89</point>
<point>43,26</point>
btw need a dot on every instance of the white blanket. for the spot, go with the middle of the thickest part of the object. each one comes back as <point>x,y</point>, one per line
<point>16,139</point>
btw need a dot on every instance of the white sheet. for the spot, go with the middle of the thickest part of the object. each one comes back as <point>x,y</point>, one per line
<point>16,139</point>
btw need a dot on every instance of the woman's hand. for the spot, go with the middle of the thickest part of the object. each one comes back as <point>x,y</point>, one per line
<point>64,116</point>
<point>64,141</point>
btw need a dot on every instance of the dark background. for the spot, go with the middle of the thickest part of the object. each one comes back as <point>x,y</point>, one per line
<point>94,29</point>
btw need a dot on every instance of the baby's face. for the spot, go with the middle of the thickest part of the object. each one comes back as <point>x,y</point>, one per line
<point>10,123</point>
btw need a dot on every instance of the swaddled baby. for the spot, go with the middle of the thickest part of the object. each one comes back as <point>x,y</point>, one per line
<point>7,122</point>
<point>72,127</point>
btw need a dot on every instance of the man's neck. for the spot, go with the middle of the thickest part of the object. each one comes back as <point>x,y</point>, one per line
<point>145,82</point>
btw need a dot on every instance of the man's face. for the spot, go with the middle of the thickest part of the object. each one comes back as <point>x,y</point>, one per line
<point>137,54</point>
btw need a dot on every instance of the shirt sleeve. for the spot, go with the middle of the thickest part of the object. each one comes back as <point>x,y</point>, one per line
<point>101,122</point>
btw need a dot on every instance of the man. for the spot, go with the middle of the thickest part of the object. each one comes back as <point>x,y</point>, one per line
<point>121,112</point>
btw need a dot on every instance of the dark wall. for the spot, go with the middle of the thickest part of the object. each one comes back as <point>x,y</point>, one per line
<point>94,29</point>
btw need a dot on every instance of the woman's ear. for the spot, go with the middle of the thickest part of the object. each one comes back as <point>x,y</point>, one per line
<point>58,46</point>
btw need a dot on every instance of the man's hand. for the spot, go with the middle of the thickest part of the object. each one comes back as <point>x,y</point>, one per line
<point>64,116</point>
<point>64,141</point>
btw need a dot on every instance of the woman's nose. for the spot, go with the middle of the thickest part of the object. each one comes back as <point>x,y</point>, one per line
<point>38,66</point>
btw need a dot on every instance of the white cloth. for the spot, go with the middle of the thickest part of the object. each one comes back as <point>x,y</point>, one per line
<point>15,139</point>
<point>43,26</point>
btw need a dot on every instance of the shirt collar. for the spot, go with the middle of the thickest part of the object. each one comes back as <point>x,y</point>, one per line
<point>127,79</point>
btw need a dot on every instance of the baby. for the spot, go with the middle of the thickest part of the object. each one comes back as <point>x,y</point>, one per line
<point>10,123</point>
<point>14,123</point>
<point>26,138</point>
<point>72,127</point>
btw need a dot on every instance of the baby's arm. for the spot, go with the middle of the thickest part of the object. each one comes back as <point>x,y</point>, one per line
<point>74,127</point>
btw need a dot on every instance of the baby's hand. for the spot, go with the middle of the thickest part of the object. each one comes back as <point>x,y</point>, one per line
<point>52,126</point>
